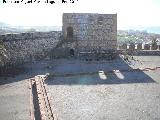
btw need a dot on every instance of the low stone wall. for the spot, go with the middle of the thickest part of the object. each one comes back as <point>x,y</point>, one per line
<point>27,47</point>
<point>139,46</point>
<point>147,53</point>
<point>140,52</point>
<point>139,49</point>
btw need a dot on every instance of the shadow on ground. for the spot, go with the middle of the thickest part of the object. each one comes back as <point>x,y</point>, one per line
<point>23,72</point>
<point>96,72</point>
<point>76,72</point>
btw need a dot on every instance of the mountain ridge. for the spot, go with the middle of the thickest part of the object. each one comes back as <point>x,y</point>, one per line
<point>6,27</point>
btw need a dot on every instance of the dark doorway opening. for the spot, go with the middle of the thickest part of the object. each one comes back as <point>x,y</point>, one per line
<point>71,52</point>
<point>69,32</point>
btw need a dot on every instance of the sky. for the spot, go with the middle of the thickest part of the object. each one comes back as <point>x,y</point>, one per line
<point>130,13</point>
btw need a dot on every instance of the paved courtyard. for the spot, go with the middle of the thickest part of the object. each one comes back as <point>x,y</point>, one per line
<point>128,95</point>
<point>14,99</point>
<point>88,90</point>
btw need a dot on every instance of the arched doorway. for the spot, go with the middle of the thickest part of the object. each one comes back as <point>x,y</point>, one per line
<point>71,52</point>
<point>69,32</point>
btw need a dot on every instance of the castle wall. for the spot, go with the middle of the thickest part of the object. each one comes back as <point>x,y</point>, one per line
<point>26,47</point>
<point>139,49</point>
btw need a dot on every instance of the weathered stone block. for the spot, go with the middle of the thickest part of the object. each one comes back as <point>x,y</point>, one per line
<point>124,46</point>
<point>139,46</point>
<point>131,46</point>
<point>154,47</point>
<point>146,47</point>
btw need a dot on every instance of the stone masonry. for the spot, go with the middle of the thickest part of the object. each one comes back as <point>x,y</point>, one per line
<point>91,31</point>
<point>26,47</point>
<point>81,32</point>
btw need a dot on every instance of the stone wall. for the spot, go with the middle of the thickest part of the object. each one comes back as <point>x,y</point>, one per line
<point>139,49</point>
<point>138,46</point>
<point>91,31</point>
<point>27,47</point>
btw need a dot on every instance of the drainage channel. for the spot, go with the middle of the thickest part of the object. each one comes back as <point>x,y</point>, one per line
<point>40,107</point>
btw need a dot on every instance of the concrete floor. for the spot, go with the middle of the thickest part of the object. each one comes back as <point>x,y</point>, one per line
<point>98,96</point>
<point>14,100</point>
<point>135,96</point>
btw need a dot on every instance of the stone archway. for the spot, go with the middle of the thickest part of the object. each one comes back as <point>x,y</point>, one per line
<point>69,32</point>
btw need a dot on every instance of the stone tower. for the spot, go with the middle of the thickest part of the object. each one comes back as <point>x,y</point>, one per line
<point>87,32</point>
